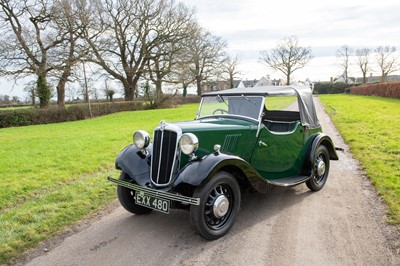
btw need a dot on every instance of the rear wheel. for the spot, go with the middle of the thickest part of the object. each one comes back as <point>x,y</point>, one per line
<point>321,169</point>
<point>219,206</point>
<point>127,200</point>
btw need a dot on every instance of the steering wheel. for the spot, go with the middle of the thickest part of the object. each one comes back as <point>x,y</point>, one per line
<point>223,111</point>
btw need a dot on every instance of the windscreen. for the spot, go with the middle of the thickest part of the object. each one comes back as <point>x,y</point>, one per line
<point>246,106</point>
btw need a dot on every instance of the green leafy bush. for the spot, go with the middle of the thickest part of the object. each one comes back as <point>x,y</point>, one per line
<point>330,88</point>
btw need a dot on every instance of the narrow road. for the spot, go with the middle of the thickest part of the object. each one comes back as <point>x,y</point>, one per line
<point>343,224</point>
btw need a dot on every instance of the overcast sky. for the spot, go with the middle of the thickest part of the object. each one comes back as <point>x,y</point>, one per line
<point>253,25</point>
<point>250,26</point>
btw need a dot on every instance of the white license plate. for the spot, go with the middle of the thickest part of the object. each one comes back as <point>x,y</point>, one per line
<point>157,204</point>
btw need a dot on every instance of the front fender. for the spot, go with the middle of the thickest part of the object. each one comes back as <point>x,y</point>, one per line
<point>199,172</point>
<point>132,161</point>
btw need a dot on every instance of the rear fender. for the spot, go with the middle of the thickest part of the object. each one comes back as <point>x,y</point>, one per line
<point>133,162</point>
<point>199,172</point>
<point>319,139</point>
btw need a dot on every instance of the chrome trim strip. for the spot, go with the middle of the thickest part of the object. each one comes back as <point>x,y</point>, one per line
<point>230,116</point>
<point>155,193</point>
<point>159,156</point>
<point>200,107</point>
<point>260,117</point>
<point>287,182</point>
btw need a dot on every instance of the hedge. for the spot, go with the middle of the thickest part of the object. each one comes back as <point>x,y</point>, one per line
<point>330,88</point>
<point>54,114</point>
<point>389,89</point>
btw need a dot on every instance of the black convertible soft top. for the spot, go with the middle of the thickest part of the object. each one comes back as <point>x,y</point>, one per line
<point>308,115</point>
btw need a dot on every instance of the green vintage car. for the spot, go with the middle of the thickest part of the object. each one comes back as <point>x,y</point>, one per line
<point>242,138</point>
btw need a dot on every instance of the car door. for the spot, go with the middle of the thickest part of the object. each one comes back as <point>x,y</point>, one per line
<point>277,154</point>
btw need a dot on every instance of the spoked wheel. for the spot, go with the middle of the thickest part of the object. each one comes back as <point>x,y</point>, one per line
<point>321,169</point>
<point>127,200</point>
<point>219,205</point>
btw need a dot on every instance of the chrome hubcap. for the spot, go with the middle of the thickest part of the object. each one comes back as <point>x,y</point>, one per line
<point>321,168</point>
<point>220,206</point>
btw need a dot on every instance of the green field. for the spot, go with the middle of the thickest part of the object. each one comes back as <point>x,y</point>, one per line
<point>371,126</point>
<point>53,175</point>
<point>15,108</point>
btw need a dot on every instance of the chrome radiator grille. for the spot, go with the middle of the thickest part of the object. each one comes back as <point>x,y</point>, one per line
<point>164,156</point>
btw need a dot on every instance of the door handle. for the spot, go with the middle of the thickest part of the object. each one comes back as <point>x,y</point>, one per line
<point>262,143</point>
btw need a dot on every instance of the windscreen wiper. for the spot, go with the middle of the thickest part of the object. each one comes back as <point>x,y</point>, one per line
<point>247,99</point>
<point>223,100</point>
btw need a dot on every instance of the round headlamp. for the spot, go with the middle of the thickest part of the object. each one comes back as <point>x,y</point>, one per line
<point>141,139</point>
<point>188,143</point>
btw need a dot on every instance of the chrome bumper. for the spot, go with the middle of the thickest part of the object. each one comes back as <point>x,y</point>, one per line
<point>156,193</point>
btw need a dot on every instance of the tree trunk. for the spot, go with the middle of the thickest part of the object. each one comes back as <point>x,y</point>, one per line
<point>383,77</point>
<point>33,96</point>
<point>231,81</point>
<point>184,90</point>
<point>61,88</point>
<point>128,93</point>
<point>61,95</point>
<point>289,72</point>
<point>364,78</point>
<point>198,83</point>
<point>159,92</point>
<point>43,91</point>
<point>130,87</point>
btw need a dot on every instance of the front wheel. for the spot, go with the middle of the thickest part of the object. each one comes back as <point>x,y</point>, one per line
<point>219,206</point>
<point>321,169</point>
<point>127,200</point>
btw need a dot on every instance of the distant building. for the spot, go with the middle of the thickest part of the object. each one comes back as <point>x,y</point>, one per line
<point>223,85</point>
<point>247,83</point>
<point>374,79</point>
<point>264,82</point>
<point>370,79</point>
<point>342,79</point>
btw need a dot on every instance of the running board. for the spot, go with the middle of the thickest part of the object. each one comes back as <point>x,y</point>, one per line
<point>289,181</point>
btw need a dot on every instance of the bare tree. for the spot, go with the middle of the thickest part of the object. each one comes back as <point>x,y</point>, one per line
<point>66,21</point>
<point>108,91</point>
<point>30,89</point>
<point>72,92</point>
<point>363,61</point>
<point>343,55</point>
<point>181,74</point>
<point>24,45</point>
<point>206,54</point>
<point>39,38</point>
<point>123,35</point>
<point>287,56</point>
<point>164,57</point>
<point>230,68</point>
<point>95,93</point>
<point>387,60</point>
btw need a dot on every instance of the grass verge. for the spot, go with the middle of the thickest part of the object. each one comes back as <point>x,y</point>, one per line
<point>53,175</point>
<point>371,127</point>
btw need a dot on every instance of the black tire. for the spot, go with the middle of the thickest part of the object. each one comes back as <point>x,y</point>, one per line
<point>127,200</point>
<point>321,169</point>
<point>213,218</point>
